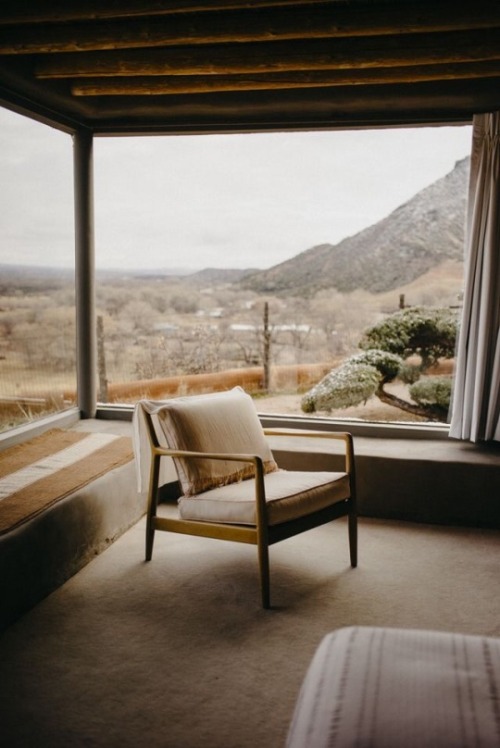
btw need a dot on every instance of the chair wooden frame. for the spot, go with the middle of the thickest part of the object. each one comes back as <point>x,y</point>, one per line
<point>262,535</point>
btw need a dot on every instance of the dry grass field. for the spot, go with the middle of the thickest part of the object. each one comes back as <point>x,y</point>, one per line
<point>156,346</point>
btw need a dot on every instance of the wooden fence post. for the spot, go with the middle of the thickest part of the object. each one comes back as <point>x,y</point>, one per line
<point>267,350</point>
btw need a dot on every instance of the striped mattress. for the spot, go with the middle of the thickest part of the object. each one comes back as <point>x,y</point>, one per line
<point>395,688</point>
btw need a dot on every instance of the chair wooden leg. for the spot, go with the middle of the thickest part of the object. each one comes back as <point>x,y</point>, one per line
<point>353,539</point>
<point>152,506</point>
<point>265,585</point>
<point>150,537</point>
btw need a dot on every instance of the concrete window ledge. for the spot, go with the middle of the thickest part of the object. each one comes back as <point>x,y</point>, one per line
<point>42,553</point>
<point>422,480</point>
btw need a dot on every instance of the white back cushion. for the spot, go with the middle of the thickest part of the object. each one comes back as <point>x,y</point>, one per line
<point>223,422</point>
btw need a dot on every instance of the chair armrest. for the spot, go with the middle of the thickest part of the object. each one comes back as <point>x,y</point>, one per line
<point>344,436</point>
<point>235,457</point>
<point>260,490</point>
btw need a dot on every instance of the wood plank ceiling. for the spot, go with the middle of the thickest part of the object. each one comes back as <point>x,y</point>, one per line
<point>210,65</point>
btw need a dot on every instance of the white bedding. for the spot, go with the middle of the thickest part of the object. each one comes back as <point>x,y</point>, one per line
<point>395,688</point>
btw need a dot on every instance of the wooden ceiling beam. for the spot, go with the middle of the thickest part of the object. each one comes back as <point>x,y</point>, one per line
<point>277,57</point>
<point>57,11</point>
<point>373,105</point>
<point>248,64</point>
<point>251,25</point>
<point>192,84</point>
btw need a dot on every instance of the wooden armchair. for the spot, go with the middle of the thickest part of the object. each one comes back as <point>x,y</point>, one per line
<point>232,487</point>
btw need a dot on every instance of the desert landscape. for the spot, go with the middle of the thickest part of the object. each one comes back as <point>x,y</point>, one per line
<point>164,333</point>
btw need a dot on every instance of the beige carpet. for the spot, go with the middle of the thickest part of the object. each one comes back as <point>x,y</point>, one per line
<point>177,652</point>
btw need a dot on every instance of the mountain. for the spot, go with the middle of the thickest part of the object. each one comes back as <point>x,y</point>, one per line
<point>211,276</point>
<point>418,236</point>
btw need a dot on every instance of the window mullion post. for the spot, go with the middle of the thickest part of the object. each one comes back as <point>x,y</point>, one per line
<point>86,336</point>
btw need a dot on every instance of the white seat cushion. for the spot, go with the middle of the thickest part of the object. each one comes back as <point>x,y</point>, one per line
<point>289,495</point>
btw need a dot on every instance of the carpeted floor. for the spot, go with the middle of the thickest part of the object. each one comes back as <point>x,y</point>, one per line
<point>177,652</point>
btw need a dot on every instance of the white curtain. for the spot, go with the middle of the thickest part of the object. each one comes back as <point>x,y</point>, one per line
<point>476,399</point>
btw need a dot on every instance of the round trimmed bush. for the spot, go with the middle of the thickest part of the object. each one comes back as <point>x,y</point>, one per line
<point>432,391</point>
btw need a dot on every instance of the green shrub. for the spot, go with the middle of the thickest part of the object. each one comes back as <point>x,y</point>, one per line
<point>387,364</point>
<point>350,384</point>
<point>427,332</point>
<point>409,373</point>
<point>432,391</point>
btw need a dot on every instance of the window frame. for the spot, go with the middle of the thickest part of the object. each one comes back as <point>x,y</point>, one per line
<point>85,314</point>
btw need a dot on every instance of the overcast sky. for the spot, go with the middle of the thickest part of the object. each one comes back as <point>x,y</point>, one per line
<point>211,201</point>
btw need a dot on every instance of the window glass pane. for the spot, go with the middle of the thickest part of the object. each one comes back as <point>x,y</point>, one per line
<point>263,259</point>
<point>37,299</point>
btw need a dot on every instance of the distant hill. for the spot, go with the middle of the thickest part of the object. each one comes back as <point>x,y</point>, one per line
<point>31,278</point>
<point>419,235</point>
<point>213,276</point>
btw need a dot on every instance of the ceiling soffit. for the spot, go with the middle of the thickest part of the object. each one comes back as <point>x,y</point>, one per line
<point>187,66</point>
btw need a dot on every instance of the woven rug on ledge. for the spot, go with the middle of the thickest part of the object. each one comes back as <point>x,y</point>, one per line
<point>44,470</point>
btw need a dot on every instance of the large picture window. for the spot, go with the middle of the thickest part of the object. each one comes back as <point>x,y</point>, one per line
<point>37,297</point>
<point>322,271</point>
<point>265,260</point>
